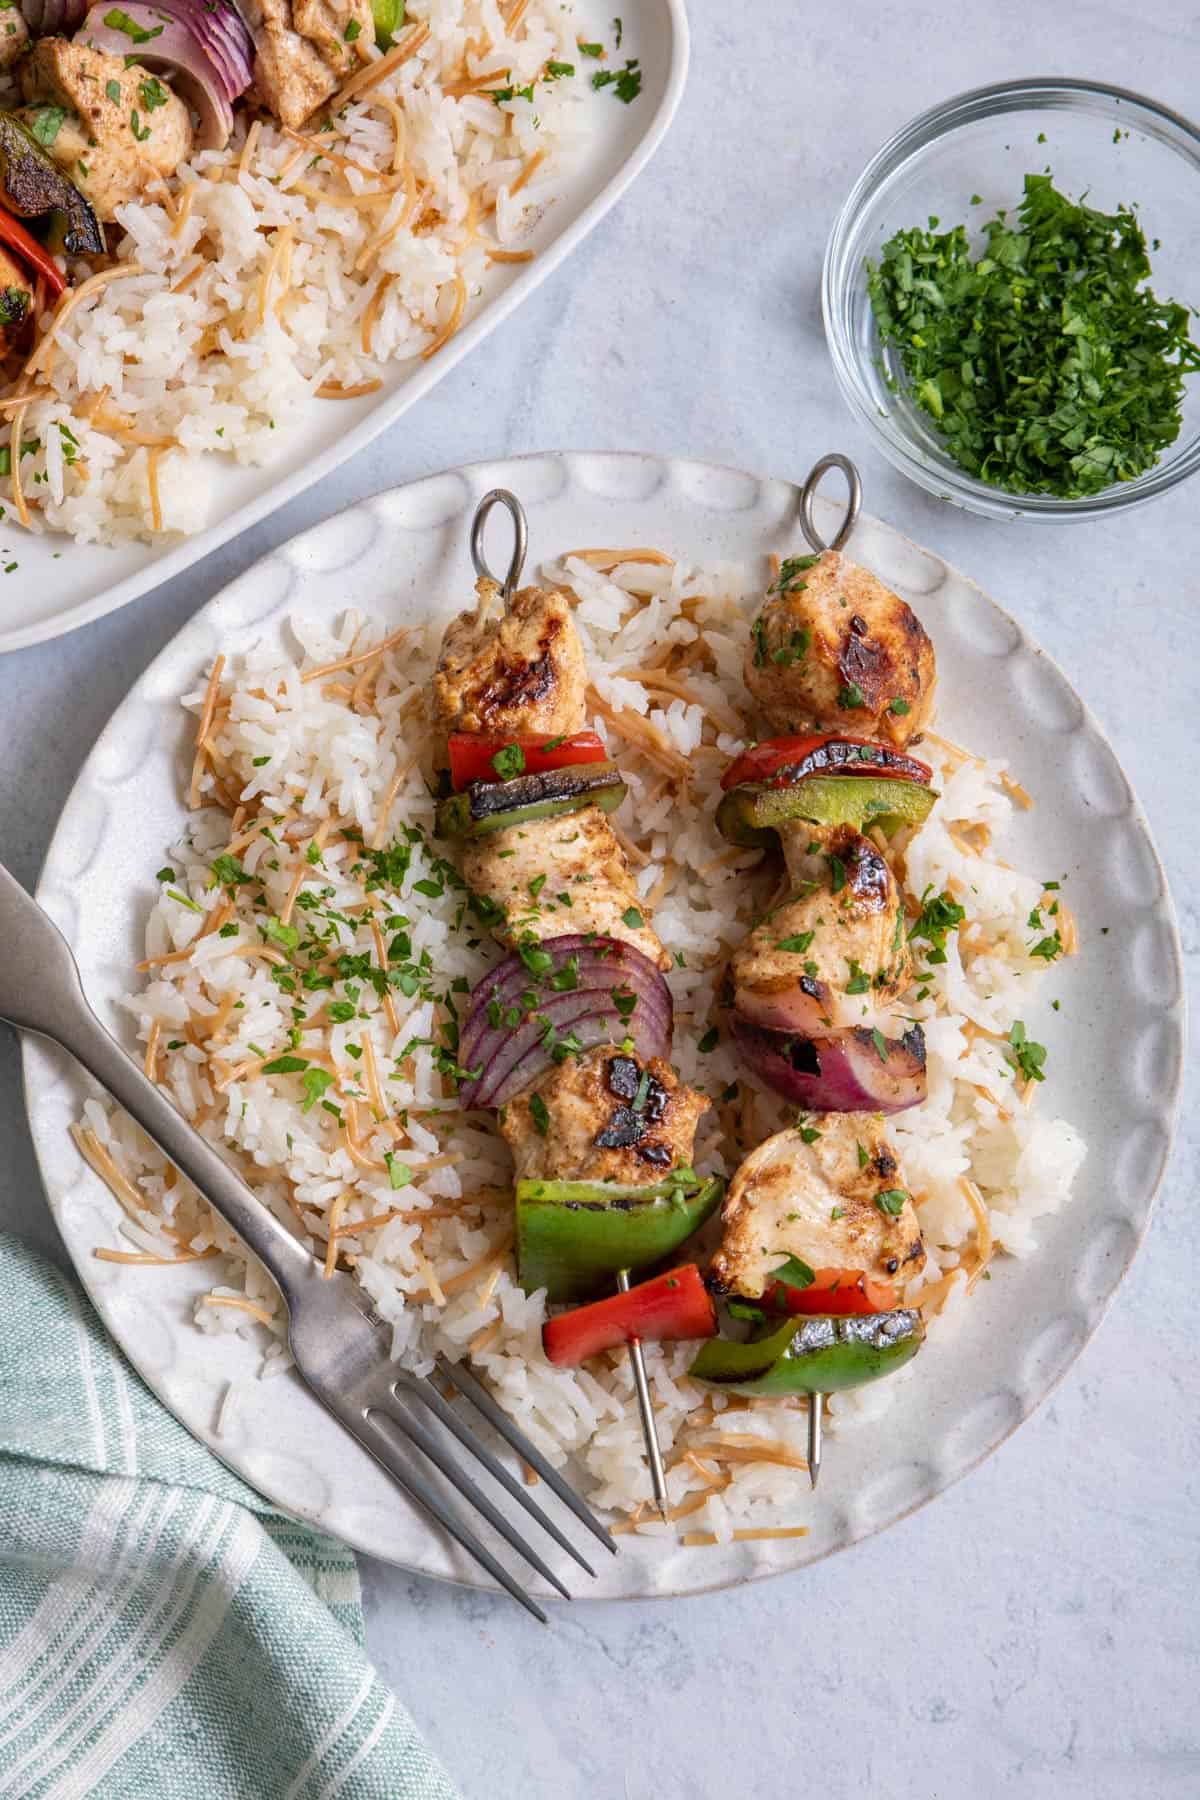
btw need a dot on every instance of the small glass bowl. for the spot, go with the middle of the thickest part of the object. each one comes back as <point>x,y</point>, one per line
<point>1099,143</point>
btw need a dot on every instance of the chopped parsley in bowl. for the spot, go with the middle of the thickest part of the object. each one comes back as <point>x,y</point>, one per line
<point>995,323</point>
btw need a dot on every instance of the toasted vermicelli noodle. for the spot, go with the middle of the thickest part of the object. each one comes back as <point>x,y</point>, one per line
<point>329,1086</point>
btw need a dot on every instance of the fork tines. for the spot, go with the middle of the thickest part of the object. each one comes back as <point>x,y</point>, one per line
<point>387,1422</point>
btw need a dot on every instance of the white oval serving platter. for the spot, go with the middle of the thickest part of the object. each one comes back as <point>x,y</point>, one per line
<point>1116,1046</point>
<point>59,585</point>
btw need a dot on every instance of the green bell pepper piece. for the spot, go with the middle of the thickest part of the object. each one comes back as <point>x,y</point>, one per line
<point>389,17</point>
<point>486,806</point>
<point>573,1236</point>
<point>814,1355</point>
<point>751,813</point>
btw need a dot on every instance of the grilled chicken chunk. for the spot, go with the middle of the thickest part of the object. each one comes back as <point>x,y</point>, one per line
<point>16,298</point>
<point>111,144</point>
<point>579,857</point>
<point>819,1202</point>
<point>839,944</point>
<point>611,1118</point>
<point>14,35</point>
<point>519,672</point>
<point>304,50</point>
<point>833,649</point>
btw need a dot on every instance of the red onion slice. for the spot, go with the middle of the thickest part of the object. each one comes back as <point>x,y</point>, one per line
<point>174,51</point>
<point>842,1073</point>
<point>510,1057</point>
<point>52,18</point>
<point>602,962</point>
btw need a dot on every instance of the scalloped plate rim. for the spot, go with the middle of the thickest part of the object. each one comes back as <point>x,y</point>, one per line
<point>495,471</point>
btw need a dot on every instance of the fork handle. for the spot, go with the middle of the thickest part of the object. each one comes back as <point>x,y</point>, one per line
<point>78,1030</point>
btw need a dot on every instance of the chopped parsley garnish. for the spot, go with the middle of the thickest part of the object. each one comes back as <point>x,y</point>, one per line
<point>859,980</point>
<point>851,696</point>
<point>899,707</point>
<point>790,571</point>
<point>47,122</point>
<point>591,50</point>
<point>555,71</point>
<point>795,650</point>
<point>536,885</point>
<point>153,93</point>
<point>116,20</point>
<point>1027,1058</point>
<point>880,1043</point>
<point>399,1174</point>
<point>863,1158</point>
<point>500,95</point>
<point>279,933</point>
<point>626,83</point>
<point>891,1201</point>
<point>796,945</point>
<point>709,1041</point>
<point>166,873</point>
<point>341,1011</point>
<point>113,90</point>
<point>758,632</point>
<point>352,31</point>
<point>1046,363</point>
<point>1048,947</point>
<point>509,761</point>
<point>174,894</point>
<point>939,916</point>
<point>837,874</point>
<point>624,1003</point>
<point>285,1065</point>
<point>227,871</point>
<point>633,918</point>
<point>793,1273</point>
<point>314,1082</point>
<point>539,1113</point>
<point>141,132</point>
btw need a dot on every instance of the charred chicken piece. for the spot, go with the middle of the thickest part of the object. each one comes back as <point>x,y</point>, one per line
<point>836,946</point>
<point>527,872</point>
<point>110,144</point>
<point>515,673</point>
<point>604,1116</point>
<point>304,50</point>
<point>834,649</point>
<point>835,1202</point>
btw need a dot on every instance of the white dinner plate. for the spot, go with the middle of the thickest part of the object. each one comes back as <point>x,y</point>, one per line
<point>60,585</point>
<point>1116,1047</point>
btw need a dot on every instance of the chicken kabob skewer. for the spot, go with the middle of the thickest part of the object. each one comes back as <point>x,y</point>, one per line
<point>568,1037</point>
<point>842,669</point>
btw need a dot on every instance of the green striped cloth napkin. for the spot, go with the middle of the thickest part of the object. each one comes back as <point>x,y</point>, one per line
<point>163,1634</point>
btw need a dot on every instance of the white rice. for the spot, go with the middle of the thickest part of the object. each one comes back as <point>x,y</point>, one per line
<point>347,752</point>
<point>263,282</point>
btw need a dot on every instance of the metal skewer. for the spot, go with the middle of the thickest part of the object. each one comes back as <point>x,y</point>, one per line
<point>658,1477</point>
<point>816,1419</point>
<point>516,512</point>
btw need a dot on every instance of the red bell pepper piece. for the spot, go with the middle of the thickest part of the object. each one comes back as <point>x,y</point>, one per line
<point>472,757</point>
<point>13,233</point>
<point>676,1305</point>
<point>835,1293</point>
<point>790,759</point>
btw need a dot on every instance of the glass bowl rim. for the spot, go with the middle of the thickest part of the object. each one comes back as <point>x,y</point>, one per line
<point>974,105</point>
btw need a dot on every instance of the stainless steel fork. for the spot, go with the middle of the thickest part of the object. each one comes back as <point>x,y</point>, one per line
<point>341,1351</point>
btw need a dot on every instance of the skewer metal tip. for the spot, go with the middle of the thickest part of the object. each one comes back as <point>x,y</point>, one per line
<point>658,1478</point>
<point>816,1418</point>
